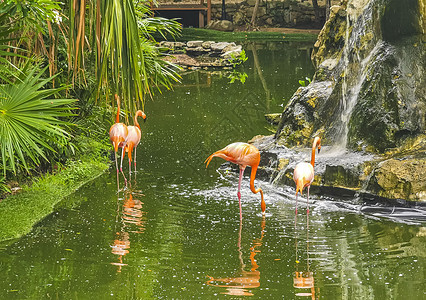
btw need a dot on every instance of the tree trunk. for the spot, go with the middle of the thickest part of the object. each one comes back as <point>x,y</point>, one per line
<point>253,17</point>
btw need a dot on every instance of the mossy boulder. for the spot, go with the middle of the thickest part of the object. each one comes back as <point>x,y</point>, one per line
<point>300,117</point>
<point>370,83</point>
<point>400,179</point>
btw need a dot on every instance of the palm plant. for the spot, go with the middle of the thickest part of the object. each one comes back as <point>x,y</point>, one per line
<point>30,29</point>
<point>127,63</point>
<point>30,118</point>
<point>4,188</point>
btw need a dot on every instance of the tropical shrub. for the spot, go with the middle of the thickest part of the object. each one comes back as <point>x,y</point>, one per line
<point>31,120</point>
<point>127,63</point>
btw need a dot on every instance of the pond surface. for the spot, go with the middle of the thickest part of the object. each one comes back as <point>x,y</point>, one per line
<point>175,232</point>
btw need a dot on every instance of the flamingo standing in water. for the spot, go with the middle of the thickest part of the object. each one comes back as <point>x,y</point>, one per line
<point>117,135</point>
<point>243,155</point>
<point>304,172</point>
<point>134,137</point>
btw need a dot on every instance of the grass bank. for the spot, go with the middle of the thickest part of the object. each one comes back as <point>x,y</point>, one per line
<point>241,36</point>
<point>20,212</point>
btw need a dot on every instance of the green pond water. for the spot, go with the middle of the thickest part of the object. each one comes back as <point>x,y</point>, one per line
<point>175,232</point>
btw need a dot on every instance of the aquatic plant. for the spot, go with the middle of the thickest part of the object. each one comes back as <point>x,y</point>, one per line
<point>303,82</point>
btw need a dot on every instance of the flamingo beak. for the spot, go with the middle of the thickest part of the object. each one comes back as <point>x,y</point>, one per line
<point>319,148</point>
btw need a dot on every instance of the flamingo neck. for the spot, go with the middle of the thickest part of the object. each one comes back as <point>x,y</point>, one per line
<point>136,122</point>
<point>252,177</point>
<point>254,190</point>
<point>117,117</point>
<point>313,156</point>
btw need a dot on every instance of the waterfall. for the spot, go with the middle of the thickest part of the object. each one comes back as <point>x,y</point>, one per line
<point>359,17</point>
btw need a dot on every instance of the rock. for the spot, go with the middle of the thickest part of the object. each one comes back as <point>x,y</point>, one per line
<point>231,46</point>
<point>207,44</point>
<point>219,46</point>
<point>221,25</point>
<point>273,119</point>
<point>233,51</point>
<point>376,70</point>
<point>194,44</point>
<point>300,116</point>
<point>382,82</point>
<point>202,53</point>
<point>400,179</point>
<point>197,51</point>
<point>239,19</point>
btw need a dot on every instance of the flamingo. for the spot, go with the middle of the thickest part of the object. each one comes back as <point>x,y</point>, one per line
<point>304,172</point>
<point>243,155</point>
<point>134,137</point>
<point>117,135</point>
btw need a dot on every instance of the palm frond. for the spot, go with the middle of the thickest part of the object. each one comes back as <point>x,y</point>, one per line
<point>29,118</point>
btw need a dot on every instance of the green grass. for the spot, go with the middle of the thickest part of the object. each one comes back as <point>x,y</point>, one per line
<point>19,213</point>
<point>207,34</point>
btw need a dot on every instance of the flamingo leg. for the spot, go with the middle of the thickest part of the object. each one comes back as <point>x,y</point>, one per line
<point>116,164</point>
<point>307,211</point>
<point>239,193</point>
<point>296,204</point>
<point>121,165</point>
<point>134,159</point>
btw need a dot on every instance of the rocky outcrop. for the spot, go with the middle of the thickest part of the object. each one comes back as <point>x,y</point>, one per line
<point>368,96</point>
<point>202,53</point>
<point>375,83</point>
<point>346,173</point>
<point>399,179</point>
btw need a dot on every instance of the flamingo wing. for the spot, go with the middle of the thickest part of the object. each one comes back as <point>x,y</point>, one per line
<point>242,154</point>
<point>118,134</point>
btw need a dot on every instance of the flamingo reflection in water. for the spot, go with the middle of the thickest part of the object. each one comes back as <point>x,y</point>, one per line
<point>303,279</point>
<point>245,280</point>
<point>131,218</point>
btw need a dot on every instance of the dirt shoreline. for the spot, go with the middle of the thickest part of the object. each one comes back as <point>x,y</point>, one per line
<point>286,30</point>
<point>291,30</point>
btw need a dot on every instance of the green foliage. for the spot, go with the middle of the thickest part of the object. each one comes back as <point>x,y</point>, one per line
<point>32,12</point>
<point>238,59</point>
<point>240,76</point>
<point>30,120</point>
<point>127,61</point>
<point>20,212</point>
<point>303,82</point>
<point>4,188</point>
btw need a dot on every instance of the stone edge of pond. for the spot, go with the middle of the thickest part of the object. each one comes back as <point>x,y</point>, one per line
<point>21,212</point>
<point>361,177</point>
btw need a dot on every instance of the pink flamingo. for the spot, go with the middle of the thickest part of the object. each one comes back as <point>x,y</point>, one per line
<point>134,137</point>
<point>243,155</point>
<point>117,135</point>
<point>304,172</point>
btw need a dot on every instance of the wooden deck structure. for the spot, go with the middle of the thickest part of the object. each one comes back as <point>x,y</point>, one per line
<point>202,9</point>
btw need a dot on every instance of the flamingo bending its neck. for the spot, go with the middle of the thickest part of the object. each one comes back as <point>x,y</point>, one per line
<point>304,172</point>
<point>117,135</point>
<point>243,155</point>
<point>134,137</point>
